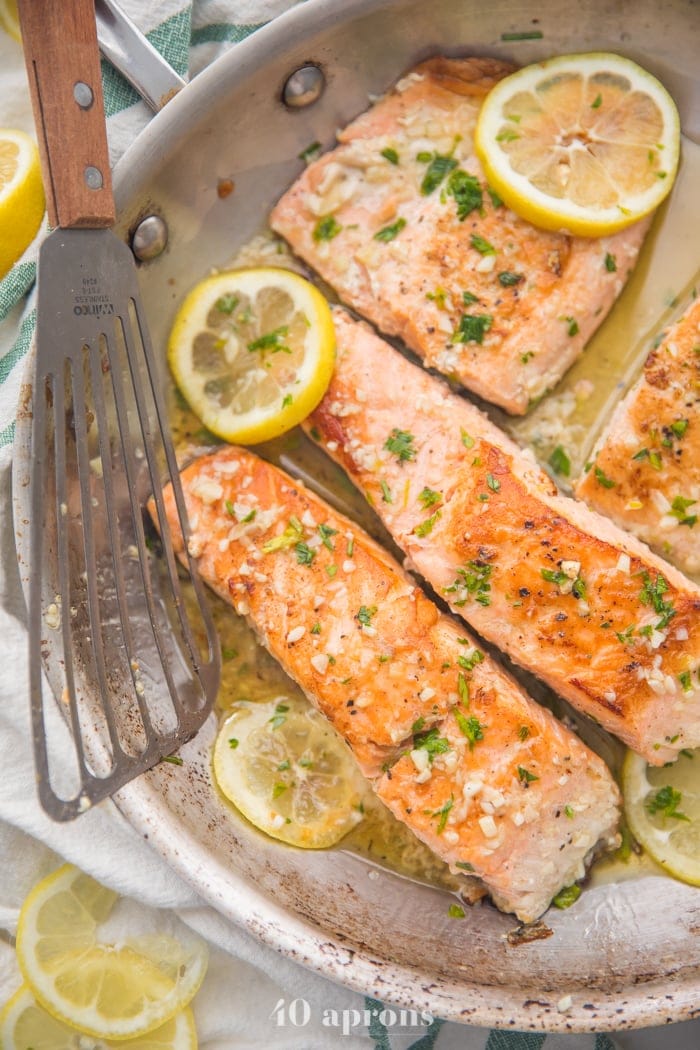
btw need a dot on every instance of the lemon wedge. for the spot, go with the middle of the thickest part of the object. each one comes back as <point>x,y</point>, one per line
<point>105,990</point>
<point>288,772</point>
<point>24,1023</point>
<point>584,143</point>
<point>9,19</point>
<point>21,195</point>
<point>252,351</point>
<point>662,806</point>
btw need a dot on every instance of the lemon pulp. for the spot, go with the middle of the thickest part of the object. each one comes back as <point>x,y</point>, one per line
<point>288,772</point>
<point>587,143</point>
<point>106,990</point>
<point>662,806</point>
<point>252,351</point>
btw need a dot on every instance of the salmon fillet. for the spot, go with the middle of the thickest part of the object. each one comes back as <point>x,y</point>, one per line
<point>646,470</point>
<point>398,219</point>
<point>492,782</point>
<point>569,596</point>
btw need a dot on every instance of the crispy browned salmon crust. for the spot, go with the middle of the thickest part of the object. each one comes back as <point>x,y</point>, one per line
<point>646,472</point>
<point>487,778</point>
<point>398,219</point>
<point>582,604</point>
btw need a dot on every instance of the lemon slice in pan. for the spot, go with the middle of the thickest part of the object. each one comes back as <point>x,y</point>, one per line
<point>288,772</point>
<point>252,351</point>
<point>586,143</point>
<point>662,806</point>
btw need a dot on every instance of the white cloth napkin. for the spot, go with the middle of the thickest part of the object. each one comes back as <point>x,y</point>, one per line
<point>246,999</point>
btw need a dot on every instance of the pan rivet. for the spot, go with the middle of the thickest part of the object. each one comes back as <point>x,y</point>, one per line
<point>303,87</point>
<point>93,177</point>
<point>150,238</point>
<point>82,93</point>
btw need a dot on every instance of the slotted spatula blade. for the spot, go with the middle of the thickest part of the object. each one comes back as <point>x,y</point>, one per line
<point>134,656</point>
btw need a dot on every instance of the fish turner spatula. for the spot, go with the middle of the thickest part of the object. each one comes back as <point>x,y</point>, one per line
<point>129,647</point>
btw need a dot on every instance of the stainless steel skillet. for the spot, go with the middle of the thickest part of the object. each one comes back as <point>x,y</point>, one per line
<point>627,954</point>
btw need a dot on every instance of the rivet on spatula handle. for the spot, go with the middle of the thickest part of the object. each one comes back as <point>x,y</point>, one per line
<point>60,50</point>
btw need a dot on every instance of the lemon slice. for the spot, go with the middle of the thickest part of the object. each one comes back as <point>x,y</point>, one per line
<point>9,19</point>
<point>288,772</point>
<point>662,805</point>
<point>583,143</point>
<point>252,351</point>
<point>21,195</point>
<point>25,1024</point>
<point>113,991</point>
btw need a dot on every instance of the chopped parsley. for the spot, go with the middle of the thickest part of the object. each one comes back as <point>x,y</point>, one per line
<point>666,802</point>
<point>597,102</point>
<point>467,192</point>
<point>560,462</point>
<point>456,911</point>
<point>365,614</point>
<point>464,865</point>
<point>568,896</point>
<point>525,776</point>
<point>388,233</point>
<point>523,733</point>
<point>308,154</point>
<point>569,812</point>
<point>469,662</point>
<point>555,576</point>
<point>227,303</point>
<point>232,743</point>
<point>291,535</point>
<point>493,483</point>
<point>507,135</point>
<point>326,229</point>
<point>468,298</point>
<point>530,34</point>
<point>472,328</point>
<point>439,297</point>
<point>653,594</point>
<point>228,653</point>
<point>571,325</point>
<point>272,341</point>
<point>443,814</point>
<point>386,492</point>
<point>483,246</point>
<point>463,690</point>
<point>507,278</point>
<point>603,479</point>
<point>495,199</point>
<point>278,789</point>
<point>400,443</point>
<point>287,400</point>
<point>316,629</point>
<point>610,263</point>
<point>305,555</point>
<point>467,440</point>
<point>679,506</point>
<point>391,155</point>
<point>325,532</point>
<point>427,526</point>
<point>438,168</point>
<point>429,497</point>
<point>684,679</point>
<point>430,741</point>
<point>472,580</point>
<point>679,427</point>
<point>471,727</point>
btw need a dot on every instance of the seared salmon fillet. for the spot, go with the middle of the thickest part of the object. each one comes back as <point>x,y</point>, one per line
<point>492,782</point>
<point>646,471</point>
<point>583,605</point>
<point>398,219</point>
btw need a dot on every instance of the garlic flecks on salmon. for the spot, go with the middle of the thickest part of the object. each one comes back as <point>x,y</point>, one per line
<point>399,220</point>
<point>453,746</point>
<point>645,474</point>
<point>588,608</point>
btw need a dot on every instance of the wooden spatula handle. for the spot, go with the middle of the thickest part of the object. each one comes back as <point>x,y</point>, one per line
<point>63,66</point>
